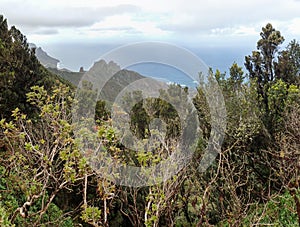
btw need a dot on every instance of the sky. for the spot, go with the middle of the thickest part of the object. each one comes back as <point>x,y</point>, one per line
<point>67,29</point>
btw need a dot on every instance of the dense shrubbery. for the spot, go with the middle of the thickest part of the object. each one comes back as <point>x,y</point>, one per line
<point>45,179</point>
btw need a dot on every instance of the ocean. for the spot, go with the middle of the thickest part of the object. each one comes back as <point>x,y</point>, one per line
<point>164,73</point>
<point>74,56</point>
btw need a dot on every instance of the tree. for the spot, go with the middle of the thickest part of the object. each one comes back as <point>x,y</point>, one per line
<point>236,76</point>
<point>42,158</point>
<point>19,71</point>
<point>289,144</point>
<point>261,65</point>
<point>288,66</point>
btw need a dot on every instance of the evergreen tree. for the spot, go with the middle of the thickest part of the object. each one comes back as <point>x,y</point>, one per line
<point>19,71</point>
<point>288,67</point>
<point>261,65</point>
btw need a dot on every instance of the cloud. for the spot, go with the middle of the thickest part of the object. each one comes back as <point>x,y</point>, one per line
<point>155,19</point>
<point>205,18</point>
<point>46,31</point>
<point>31,15</point>
<point>294,26</point>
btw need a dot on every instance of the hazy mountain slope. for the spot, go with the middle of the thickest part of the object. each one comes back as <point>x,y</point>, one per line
<point>73,77</point>
<point>43,57</point>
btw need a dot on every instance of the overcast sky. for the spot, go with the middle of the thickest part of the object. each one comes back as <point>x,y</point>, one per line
<point>190,22</point>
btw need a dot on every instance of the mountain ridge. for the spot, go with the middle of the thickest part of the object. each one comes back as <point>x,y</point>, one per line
<point>44,58</point>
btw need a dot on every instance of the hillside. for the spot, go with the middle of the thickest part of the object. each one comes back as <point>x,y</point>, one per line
<point>43,57</point>
<point>73,77</point>
<point>225,155</point>
<point>119,78</point>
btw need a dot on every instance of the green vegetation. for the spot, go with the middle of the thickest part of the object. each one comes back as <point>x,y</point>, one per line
<point>19,71</point>
<point>45,180</point>
<point>73,77</point>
